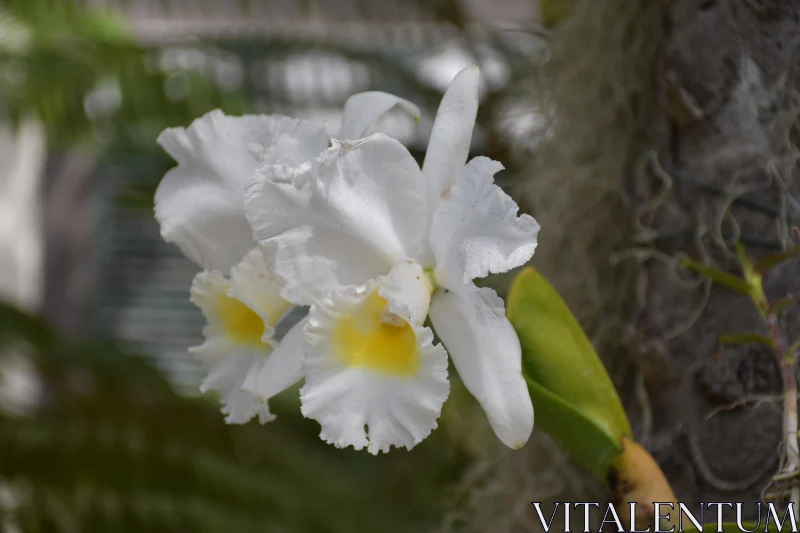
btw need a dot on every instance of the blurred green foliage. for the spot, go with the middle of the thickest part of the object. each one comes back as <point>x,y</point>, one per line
<point>111,447</point>
<point>56,54</point>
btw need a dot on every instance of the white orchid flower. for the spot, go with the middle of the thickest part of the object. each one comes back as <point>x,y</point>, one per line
<point>200,207</point>
<point>242,312</point>
<point>374,245</point>
<point>200,203</point>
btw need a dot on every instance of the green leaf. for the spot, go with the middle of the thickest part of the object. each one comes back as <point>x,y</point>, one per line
<point>591,445</point>
<point>773,260</point>
<point>745,338</point>
<point>779,306</point>
<point>754,280</point>
<point>717,276</point>
<point>573,396</point>
<point>744,260</point>
<point>751,275</point>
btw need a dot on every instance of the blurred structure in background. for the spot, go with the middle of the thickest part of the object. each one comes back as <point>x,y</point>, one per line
<point>23,152</point>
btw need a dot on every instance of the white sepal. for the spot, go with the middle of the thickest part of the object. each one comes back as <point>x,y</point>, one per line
<point>488,358</point>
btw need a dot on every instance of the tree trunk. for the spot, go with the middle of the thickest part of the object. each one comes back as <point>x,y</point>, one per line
<point>722,170</point>
<point>673,136</point>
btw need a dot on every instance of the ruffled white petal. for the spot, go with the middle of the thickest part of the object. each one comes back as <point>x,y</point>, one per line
<point>221,147</point>
<point>448,147</point>
<point>476,230</point>
<point>363,109</point>
<point>488,358</point>
<point>228,366</point>
<point>199,204</point>
<point>227,359</point>
<point>312,260</point>
<point>340,219</point>
<point>371,396</point>
<point>282,369</point>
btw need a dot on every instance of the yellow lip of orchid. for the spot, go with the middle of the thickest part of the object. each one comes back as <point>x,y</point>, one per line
<point>241,324</point>
<point>366,338</point>
<point>374,378</point>
<point>378,334</point>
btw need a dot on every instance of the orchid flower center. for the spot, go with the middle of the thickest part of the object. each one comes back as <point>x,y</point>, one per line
<point>365,338</point>
<point>241,324</point>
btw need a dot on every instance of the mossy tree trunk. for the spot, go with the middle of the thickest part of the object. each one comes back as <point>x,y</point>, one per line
<point>674,135</point>
<point>722,169</point>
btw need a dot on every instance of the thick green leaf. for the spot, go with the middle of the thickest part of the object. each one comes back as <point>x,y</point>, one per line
<point>573,396</point>
<point>580,435</point>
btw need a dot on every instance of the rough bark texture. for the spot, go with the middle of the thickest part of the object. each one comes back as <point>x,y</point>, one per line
<point>723,169</point>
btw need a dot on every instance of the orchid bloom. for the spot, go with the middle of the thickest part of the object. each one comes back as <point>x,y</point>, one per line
<point>242,311</point>
<point>200,207</point>
<point>375,245</point>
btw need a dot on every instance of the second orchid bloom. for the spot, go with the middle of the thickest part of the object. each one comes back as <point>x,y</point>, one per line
<point>374,245</point>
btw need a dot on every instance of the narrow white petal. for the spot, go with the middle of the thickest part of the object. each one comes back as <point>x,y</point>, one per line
<point>282,369</point>
<point>363,109</point>
<point>340,219</point>
<point>200,203</point>
<point>488,358</point>
<point>448,147</point>
<point>370,383</point>
<point>476,230</point>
